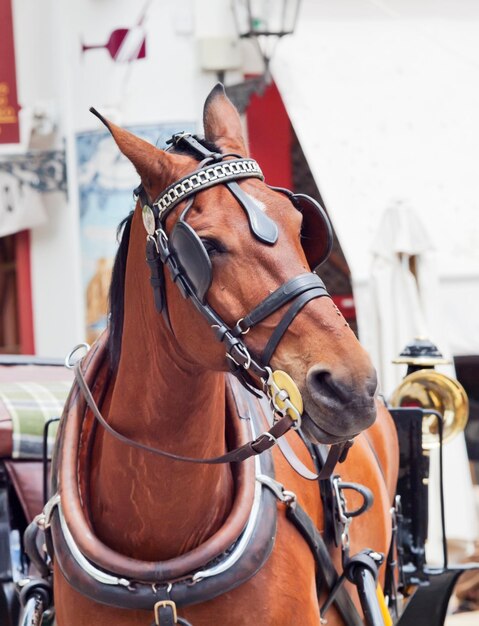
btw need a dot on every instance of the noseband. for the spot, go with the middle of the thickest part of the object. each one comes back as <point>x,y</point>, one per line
<point>189,265</point>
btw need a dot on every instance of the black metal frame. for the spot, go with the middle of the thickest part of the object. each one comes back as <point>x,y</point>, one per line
<point>433,587</point>
<point>9,602</point>
<point>12,517</point>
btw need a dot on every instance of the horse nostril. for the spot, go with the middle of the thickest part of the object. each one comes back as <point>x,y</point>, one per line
<point>372,384</point>
<point>321,382</point>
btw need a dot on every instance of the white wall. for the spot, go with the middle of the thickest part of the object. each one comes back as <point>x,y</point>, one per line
<point>384,98</point>
<point>41,68</point>
<point>167,86</point>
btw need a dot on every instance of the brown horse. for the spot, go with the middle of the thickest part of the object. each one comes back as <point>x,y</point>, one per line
<point>164,387</point>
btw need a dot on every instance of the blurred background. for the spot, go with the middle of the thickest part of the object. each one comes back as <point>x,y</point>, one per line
<point>371,106</point>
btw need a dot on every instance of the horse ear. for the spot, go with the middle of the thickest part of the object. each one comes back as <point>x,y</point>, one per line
<point>222,122</point>
<point>150,162</point>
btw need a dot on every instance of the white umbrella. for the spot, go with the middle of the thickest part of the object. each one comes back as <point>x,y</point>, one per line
<point>406,303</point>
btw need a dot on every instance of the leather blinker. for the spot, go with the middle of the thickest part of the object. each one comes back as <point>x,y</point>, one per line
<point>316,232</point>
<point>192,258</point>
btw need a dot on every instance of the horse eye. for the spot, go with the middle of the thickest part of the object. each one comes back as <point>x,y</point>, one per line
<point>213,246</point>
<point>302,229</point>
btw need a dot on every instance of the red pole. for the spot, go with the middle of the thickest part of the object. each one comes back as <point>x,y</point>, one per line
<point>24,292</point>
<point>270,137</point>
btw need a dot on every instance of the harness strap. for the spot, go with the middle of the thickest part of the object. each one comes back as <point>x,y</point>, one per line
<point>282,327</point>
<point>284,294</point>
<point>263,227</point>
<point>157,280</point>
<point>262,443</point>
<point>326,572</point>
<point>335,454</point>
<point>165,611</point>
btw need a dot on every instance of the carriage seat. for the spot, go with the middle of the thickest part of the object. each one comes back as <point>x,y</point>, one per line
<point>30,395</point>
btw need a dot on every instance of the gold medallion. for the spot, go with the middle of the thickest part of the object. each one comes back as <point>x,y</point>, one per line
<point>280,381</point>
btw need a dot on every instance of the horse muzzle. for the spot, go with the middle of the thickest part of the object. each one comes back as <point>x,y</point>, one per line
<point>337,408</point>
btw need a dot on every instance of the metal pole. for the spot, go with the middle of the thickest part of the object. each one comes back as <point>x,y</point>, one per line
<point>33,611</point>
<point>366,585</point>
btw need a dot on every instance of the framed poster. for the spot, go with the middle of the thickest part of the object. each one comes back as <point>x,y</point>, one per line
<point>106,180</point>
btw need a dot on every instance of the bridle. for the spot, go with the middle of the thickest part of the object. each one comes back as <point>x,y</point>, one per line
<point>188,263</point>
<point>186,259</point>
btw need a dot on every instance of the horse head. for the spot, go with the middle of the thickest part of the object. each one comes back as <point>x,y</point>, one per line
<point>230,260</point>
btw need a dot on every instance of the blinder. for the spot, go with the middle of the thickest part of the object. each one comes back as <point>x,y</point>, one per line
<point>316,231</point>
<point>192,258</point>
<point>184,255</point>
<point>194,262</point>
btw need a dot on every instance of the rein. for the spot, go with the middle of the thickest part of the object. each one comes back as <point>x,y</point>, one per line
<point>265,441</point>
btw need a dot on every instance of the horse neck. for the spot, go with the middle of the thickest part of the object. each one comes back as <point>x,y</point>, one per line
<point>162,400</point>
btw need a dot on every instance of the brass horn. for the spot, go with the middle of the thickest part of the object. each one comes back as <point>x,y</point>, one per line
<point>428,389</point>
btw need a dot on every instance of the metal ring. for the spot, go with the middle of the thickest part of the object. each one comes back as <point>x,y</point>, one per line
<point>68,359</point>
<point>271,437</point>
<point>288,496</point>
<point>155,242</point>
<point>285,496</point>
<point>243,332</point>
<point>297,423</point>
<point>243,349</point>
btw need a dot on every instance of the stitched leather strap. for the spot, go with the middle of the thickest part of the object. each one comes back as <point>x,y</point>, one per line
<point>262,443</point>
<point>282,327</point>
<point>335,454</point>
<point>327,573</point>
<point>287,292</point>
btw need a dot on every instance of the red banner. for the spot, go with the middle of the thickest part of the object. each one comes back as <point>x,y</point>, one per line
<point>9,127</point>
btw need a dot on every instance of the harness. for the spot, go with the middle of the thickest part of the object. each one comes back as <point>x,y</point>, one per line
<point>230,558</point>
<point>235,554</point>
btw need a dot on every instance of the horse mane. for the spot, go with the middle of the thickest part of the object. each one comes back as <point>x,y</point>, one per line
<point>116,303</point>
<point>116,300</point>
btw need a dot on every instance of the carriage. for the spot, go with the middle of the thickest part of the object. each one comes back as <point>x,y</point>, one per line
<point>206,474</point>
<point>32,394</point>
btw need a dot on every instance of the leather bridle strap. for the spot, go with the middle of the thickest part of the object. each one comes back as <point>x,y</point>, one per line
<point>262,443</point>
<point>215,170</point>
<point>285,322</point>
<point>326,572</point>
<point>301,289</point>
<point>284,294</point>
<point>207,175</point>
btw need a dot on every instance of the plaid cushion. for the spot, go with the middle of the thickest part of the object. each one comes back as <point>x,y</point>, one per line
<point>30,405</point>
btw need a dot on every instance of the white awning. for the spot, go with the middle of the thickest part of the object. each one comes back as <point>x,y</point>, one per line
<point>384,98</point>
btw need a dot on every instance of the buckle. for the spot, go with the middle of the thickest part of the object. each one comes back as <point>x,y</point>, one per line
<point>177,137</point>
<point>162,604</point>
